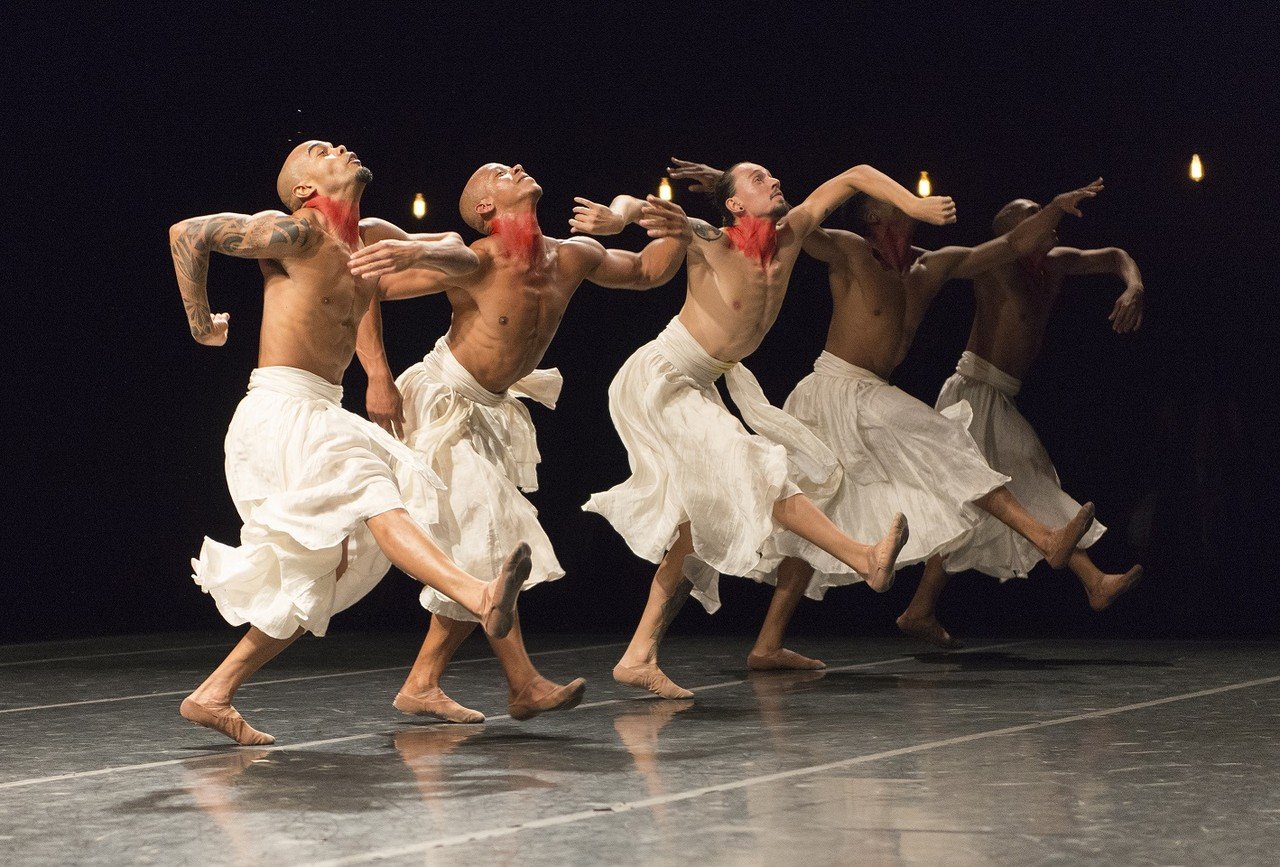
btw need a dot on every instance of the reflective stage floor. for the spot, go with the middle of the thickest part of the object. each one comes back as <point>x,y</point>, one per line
<point>1017,752</point>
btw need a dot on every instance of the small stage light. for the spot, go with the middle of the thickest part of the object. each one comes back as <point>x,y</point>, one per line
<point>664,190</point>
<point>924,186</point>
<point>1197,168</point>
<point>419,206</point>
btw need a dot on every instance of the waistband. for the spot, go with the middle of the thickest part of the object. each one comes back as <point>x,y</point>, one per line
<point>833,365</point>
<point>977,367</point>
<point>295,382</point>
<point>686,354</point>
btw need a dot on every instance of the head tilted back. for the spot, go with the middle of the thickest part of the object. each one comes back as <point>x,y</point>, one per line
<point>291,175</point>
<point>475,190</point>
<point>1012,214</point>
<point>726,187</point>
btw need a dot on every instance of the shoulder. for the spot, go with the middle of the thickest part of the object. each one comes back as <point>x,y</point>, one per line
<point>373,229</point>
<point>704,230</point>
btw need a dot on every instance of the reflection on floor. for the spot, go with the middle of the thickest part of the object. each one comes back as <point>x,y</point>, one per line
<point>1012,752</point>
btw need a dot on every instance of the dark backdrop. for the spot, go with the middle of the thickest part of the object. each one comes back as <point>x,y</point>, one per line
<point>124,124</point>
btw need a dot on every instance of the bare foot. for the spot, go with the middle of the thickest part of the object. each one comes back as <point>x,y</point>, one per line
<point>649,677</point>
<point>884,555</point>
<point>1112,586</point>
<point>929,630</point>
<point>541,695</point>
<point>498,605</point>
<point>782,660</point>
<point>224,719</point>
<point>434,703</point>
<point>1063,541</point>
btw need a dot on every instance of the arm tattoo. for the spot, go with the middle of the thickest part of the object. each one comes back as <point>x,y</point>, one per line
<point>252,237</point>
<point>671,608</point>
<point>705,230</point>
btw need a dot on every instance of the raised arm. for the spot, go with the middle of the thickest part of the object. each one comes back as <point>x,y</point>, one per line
<point>811,213</point>
<point>1023,239</point>
<point>1126,313</point>
<point>658,262</point>
<point>267,235</point>
<point>382,400</point>
<point>827,245</point>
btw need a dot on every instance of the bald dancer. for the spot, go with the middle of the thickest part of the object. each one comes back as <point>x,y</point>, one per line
<point>461,409</point>
<point>705,496</point>
<point>1014,302</point>
<point>898,453</point>
<point>323,514</point>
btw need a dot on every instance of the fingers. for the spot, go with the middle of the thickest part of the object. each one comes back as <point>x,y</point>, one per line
<point>586,202</point>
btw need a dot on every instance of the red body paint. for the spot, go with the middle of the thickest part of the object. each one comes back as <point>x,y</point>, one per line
<point>343,217</point>
<point>521,237</point>
<point>755,237</point>
<point>891,248</point>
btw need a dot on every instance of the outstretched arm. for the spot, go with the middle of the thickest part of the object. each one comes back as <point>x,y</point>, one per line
<point>825,244</point>
<point>811,213</point>
<point>658,261</point>
<point>382,400</point>
<point>593,218</point>
<point>1126,314</point>
<point>408,266</point>
<point>266,235</point>
<point>964,262</point>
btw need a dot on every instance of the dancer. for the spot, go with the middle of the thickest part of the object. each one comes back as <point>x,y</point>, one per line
<point>1014,301</point>
<point>461,410</point>
<point>705,496</point>
<point>898,453</point>
<point>313,483</point>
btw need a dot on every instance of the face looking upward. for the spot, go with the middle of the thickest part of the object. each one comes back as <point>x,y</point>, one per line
<point>320,168</point>
<point>496,188</point>
<point>756,193</point>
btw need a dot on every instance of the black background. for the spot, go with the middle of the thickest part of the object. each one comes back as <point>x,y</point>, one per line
<point>124,123</point>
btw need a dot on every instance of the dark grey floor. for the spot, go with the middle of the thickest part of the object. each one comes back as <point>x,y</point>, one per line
<point>1012,753</point>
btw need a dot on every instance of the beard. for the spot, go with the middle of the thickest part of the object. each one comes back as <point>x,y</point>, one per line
<point>780,209</point>
<point>363,175</point>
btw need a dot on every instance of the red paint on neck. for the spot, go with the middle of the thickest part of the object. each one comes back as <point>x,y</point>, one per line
<point>892,246</point>
<point>343,217</point>
<point>521,237</point>
<point>1033,268</point>
<point>755,237</point>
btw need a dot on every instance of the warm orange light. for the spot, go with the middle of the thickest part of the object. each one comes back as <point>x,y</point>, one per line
<point>924,186</point>
<point>419,206</point>
<point>1197,168</point>
<point>664,190</point>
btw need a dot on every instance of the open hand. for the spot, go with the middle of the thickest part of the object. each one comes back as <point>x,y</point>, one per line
<point>702,178</point>
<point>938,210</point>
<point>592,218</point>
<point>1070,202</point>
<point>1126,315</point>
<point>665,219</point>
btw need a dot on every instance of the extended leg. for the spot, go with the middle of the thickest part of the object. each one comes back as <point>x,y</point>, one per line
<point>667,593</point>
<point>1101,587</point>
<point>1055,544</point>
<point>920,620</point>
<point>408,546</point>
<point>210,704</point>
<point>768,652</point>
<point>875,563</point>
<point>421,694</point>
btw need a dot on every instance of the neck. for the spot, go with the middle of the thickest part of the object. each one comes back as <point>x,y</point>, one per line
<point>755,237</point>
<point>520,236</point>
<point>892,245</point>
<point>343,217</point>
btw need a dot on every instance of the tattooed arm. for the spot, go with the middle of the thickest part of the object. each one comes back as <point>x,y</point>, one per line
<point>267,235</point>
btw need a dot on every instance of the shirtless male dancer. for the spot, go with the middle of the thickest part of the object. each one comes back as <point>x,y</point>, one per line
<point>898,453</point>
<point>313,483</point>
<point>1013,304</point>
<point>460,409</point>
<point>705,496</point>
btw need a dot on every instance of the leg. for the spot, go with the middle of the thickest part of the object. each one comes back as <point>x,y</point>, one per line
<point>875,563</point>
<point>530,693</point>
<point>421,694</point>
<point>1056,545</point>
<point>210,704</point>
<point>408,546</point>
<point>920,620</point>
<point>768,652</point>
<point>1101,587</point>
<point>639,665</point>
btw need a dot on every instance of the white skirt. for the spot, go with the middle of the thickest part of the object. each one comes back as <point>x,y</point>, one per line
<point>1011,446</point>
<point>483,447</point>
<point>899,455</point>
<point>305,475</point>
<point>692,460</point>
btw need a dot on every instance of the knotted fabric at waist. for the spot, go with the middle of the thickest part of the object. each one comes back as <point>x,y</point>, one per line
<point>977,367</point>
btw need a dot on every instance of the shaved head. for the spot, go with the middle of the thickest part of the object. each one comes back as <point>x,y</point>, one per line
<point>475,190</point>
<point>1012,214</point>
<point>290,175</point>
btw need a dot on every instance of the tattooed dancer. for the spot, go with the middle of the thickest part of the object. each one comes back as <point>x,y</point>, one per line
<point>898,453</point>
<point>705,496</point>
<point>313,483</point>
<point>461,409</point>
<point>1014,300</point>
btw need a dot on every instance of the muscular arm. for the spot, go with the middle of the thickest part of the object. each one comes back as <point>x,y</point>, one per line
<point>811,213</point>
<point>1126,314</point>
<point>408,266</point>
<point>383,402</point>
<point>658,262</point>
<point>827,245</point>
<point>266,235</point>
